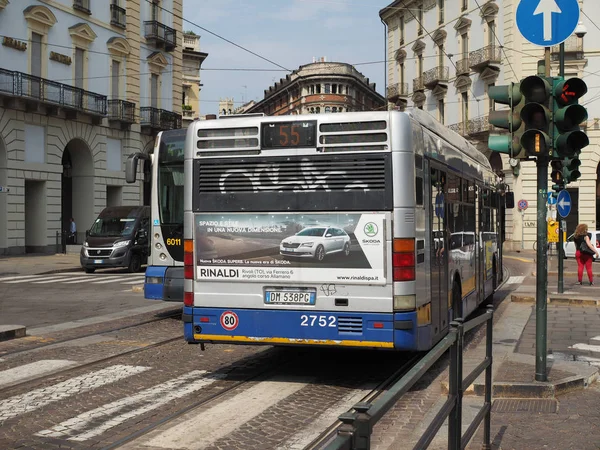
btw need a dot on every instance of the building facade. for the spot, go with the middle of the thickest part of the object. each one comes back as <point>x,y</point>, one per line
<point>82,85</point>
<point>192,62</point>
<point>444,55</point>
<point>318,88</point>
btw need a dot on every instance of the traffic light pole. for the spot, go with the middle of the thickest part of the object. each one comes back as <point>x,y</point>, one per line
<point>541,311</point>
<point>561,267</point>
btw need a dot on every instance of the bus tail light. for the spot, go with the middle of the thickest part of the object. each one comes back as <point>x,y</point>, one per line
<point>403,260</point>
<point>188,299</point>
<point>405,302</point>
<point>188,259</point>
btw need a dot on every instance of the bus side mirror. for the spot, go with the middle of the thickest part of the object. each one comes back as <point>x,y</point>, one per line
<point>87,233</point>
<point>509,200</point>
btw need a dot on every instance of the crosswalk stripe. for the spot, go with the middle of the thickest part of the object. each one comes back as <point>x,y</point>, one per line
<point>139,281</point>
<point>32,370</point>
<point>515,280</point>
<point>38,398</point>
<point>586,347</point>
<point>95,422</point>
<point>52,280</point>
<point>84,280</point>
<point>116,280</point>
<point>18,277</point>
<point>33,279</point>
<point>223,418</point>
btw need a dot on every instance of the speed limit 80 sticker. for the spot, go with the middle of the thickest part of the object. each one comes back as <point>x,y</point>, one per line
<point>229,320</point>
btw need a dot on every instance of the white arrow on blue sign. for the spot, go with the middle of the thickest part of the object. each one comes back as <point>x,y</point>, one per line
<point>563,205</point>
<point>551,199</point>
<point>547,22</point>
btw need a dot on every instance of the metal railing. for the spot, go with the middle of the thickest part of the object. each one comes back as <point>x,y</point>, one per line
<point>418,84</point>
<point>82,5</point>
<point>492,54</point>
<point>459,128</point>
<point>573,49</point>
<point>463,67</point>
<point>161,34</point>
<point>118,16</point>
<point>397,90</point>
<point>436,75</point>
<point>357,426</point>
<point>121,110</point>
<point>478,125</point>
<point>159,119</point>
<point>18,84</point>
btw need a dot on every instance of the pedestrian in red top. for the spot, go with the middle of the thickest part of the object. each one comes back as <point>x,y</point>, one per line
<point>584,253</point>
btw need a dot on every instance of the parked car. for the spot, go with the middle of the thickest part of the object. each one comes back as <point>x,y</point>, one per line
<point>569,246</point>
<point>316,242</point>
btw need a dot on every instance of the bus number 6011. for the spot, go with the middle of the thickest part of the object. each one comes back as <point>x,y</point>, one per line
<point>313,321</point>
<point>173,241</point>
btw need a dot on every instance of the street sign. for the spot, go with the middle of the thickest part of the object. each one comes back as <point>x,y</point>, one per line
<point>547,22</point>
<point>522,204</point>
<point>564,203</point>
<point>551,199</point>
<point>439,204</point>
<point>4,189</point>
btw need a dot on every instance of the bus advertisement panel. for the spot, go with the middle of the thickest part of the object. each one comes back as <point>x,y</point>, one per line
<point>291,247</point>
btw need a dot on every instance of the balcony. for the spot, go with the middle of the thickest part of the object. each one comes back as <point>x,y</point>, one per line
<point>159,119</point>
<point>459,128</point>
<point>55,96</point>
<point>82,5</point>
<point>121,111</point>
<point>118,16</point>
<point>396,91</point>
<point>437,75</point>
<point>418,84</point>
<point>463,67</point>
<point>478,127</point>
<point>573,49</point>
<point>160,35</point>
<point>485,57</point>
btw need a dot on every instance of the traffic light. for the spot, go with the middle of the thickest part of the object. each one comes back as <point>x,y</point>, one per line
<point>536,116</point>
<point>568,115</point>
<point>557,175</point>
<point>508,119</point>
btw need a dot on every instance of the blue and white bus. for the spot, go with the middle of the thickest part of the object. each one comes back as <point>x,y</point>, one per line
<point>164,166</point>
<point>365,229</point>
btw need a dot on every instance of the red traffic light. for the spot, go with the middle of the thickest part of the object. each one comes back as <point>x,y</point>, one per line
<point>567,92</point>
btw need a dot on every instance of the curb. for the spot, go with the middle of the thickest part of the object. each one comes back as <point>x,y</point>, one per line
<point>8,332</point>
<point>565,301</point>
<point>501,389</point>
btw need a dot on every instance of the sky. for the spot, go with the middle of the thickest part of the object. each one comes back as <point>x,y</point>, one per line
<point>290,33</point>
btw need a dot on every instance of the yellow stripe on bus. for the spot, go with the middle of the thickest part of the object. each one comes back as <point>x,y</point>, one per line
<point>256,340</point>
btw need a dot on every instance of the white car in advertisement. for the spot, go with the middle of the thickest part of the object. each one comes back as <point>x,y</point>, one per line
<point>316,242</point>
<point>569,246</point>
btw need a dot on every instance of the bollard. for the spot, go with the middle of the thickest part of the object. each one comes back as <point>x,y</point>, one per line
<point>487,420</point>
<point>363,428</point>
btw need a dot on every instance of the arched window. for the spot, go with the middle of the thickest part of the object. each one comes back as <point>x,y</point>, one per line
<point>334,109</point>
<point>327,109</point>
<point>318,110</point>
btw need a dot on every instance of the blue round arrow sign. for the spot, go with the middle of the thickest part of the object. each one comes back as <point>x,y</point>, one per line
<point>547,22</point>
<point>563,204</point>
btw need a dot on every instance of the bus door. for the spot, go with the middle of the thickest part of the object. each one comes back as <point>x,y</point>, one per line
<point>439,252</point>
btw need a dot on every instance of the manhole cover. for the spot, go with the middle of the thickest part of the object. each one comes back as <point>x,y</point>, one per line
<point>509,405</point>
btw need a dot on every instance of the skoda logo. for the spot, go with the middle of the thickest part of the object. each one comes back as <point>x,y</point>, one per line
<point>371,229</point>
<point>98,252</point>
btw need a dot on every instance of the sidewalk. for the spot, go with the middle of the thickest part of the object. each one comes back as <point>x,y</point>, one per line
<point>34,264</point>
<point>562,413</point>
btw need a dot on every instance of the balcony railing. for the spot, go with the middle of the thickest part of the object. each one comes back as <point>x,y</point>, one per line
<point>159,119</point>
<point>160,34</point>
<point>188,113</point>
<point>573,49</point>
<point>118,16</point>
<point>418,84</point>
<point>478,126</point>
<point>52,93</point>
<point>459,128</point>
<point>484,57</point>
<point>82,5</point>
<point>397,90</point>
<point>463,67</point>
<point>121,111</point>
<point>435,76</point>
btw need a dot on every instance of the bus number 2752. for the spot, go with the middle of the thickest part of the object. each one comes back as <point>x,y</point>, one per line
<point>317,321</point>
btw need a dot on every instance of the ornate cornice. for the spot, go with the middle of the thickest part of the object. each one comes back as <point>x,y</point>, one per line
<point>83,34</point>
<point>118,46</point>
<point>462,24</point>
<point>40,16</point>
<point>157,61</point>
